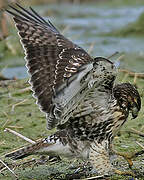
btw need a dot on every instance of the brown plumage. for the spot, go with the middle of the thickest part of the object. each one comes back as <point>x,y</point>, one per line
<point>76,92</point>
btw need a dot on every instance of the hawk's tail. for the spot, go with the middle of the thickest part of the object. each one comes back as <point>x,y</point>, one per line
<point>56,144</point>
<point>27,150</point>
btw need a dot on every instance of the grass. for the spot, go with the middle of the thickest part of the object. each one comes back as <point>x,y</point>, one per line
<point>107,2</point>
<point>132,29</point>
<point>10,48</point>
<point>26,119</point>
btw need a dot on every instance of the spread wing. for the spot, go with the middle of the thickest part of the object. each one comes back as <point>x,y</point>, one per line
<point>52,60</point>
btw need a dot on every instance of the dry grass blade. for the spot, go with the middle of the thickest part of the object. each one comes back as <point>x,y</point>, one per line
<point>15,127</point>
<point>66,29</point>
<point>91,47</point>
<point>140,144</point>
<point>132,74</point>
<point>3,142</point>
<point>114,54</point>
<point>137,132</point>
<point>7,121</point>
<point>3,169</point>
<point>17,104</point>
<point>121,57</point>
<point>135,78</point>
<point>27,89</point>
<point>95,177</point>
<point>5,124</point>
<point>9,169</point>
<point>19,135</point>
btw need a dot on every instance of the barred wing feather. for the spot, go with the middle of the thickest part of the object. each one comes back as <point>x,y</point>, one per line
<point>52,60</point>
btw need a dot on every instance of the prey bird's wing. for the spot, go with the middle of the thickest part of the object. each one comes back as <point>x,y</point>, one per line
<point>53,61</point>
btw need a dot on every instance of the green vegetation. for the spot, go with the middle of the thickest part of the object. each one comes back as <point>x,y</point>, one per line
<point>20,113</point>
<point>125,2</point>
<point>10,48</point>
<point>111,2</point>
<point>132,29</point>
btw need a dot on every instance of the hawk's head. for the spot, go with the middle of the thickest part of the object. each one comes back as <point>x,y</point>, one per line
<point>128,98</point>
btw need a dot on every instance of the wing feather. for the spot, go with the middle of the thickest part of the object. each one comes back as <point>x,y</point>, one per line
<point>51,58</point>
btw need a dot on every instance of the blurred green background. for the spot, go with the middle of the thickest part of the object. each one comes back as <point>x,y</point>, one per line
<point>101,26</point>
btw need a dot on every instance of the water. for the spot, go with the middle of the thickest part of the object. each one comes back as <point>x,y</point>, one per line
<point>18,72</point>
<point>86,22</point>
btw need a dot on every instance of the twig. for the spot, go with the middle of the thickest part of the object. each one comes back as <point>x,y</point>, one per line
<point>135,78</point>
<point>17,104</point>
<point>3,169</point>
<point>120,57</point>
<point>16,127</point>
<point>7,121</point>
<point>66,29</point>
<point>132,74</point>
<point>19,135</point>
<point>125,77</point>
<point>3,142</point>
<point>14,165</point>
<point>91,47</point>
<point>95,177</point>
<point>140,144</point>
<point>27,89</point>
<point>9,169</point>
<point>136,132</point>
<point>114,54</point>
<point>6,114</point>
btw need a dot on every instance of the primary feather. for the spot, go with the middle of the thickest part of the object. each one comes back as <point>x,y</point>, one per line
<point>51,59</point>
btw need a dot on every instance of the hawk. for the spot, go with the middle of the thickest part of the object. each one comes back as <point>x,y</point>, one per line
<point>76,92</point>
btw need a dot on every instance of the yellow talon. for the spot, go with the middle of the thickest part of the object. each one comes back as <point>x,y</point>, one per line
<point>128,156</point>
<point>124,172</point>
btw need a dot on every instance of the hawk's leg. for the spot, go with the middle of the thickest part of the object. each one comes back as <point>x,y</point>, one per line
<point>100,159</point>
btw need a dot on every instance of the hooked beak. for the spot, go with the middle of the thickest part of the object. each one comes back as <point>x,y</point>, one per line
<point>135,112</point>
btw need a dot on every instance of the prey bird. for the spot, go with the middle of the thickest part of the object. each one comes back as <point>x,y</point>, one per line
<point>77,93</point>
